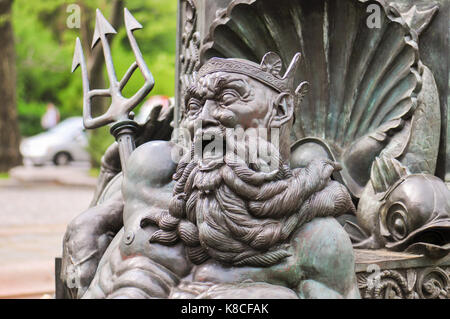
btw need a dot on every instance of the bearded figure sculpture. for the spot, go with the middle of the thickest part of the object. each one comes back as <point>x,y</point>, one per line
<point>229,221</point>
<point>376,103</point>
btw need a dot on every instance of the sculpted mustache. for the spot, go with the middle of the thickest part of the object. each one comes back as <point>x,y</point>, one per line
<point>249,147</point>
<point>240,165</point>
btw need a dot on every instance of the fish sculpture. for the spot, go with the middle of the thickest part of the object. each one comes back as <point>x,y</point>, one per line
<point>401,211</point>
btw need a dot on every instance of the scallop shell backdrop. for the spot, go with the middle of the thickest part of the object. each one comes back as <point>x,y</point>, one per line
<point>359,77</point>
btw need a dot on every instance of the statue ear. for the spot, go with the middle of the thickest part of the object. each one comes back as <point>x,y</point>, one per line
<point>283,110</point>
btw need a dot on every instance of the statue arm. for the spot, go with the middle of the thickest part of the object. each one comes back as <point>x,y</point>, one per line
<point>85,241</point>
<point>109,167</point>
<point>141,269</point>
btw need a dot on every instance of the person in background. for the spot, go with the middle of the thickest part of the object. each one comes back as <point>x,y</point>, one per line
<point>51,117</point>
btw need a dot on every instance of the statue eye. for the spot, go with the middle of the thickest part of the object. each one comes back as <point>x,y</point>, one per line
<point>228,97</point>
<point>193,106</point>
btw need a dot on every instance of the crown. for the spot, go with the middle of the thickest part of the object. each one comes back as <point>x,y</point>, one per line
<point>268,72</point>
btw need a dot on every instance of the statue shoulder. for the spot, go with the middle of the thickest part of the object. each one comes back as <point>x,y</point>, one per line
<point>152,164</point>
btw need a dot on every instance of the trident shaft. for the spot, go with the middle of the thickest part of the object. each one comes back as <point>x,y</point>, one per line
<point>119,115</point>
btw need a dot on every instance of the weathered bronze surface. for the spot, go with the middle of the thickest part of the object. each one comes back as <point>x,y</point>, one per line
<point>370,94</point>
<point>388,275</point>
<point>223,220</point>
<point>339,103</point>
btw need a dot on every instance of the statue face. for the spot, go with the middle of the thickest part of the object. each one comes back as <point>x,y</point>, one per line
<point>222,100</point>
<point>229,100</point>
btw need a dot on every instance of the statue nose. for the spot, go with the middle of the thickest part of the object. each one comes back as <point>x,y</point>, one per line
<point>206,116</point>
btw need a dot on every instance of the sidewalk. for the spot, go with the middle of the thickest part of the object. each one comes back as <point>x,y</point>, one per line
<point>36,204</point>
<point>65,175</point>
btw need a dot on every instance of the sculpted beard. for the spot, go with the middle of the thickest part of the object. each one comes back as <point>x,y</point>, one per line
<point>229,210</point>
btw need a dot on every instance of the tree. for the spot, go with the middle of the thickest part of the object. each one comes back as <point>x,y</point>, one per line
<point>9,128</point>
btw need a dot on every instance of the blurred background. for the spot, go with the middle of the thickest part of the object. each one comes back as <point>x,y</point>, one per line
<point>48,162</point>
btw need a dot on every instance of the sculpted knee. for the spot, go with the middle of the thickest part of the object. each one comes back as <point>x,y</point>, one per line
<point>326,255</point>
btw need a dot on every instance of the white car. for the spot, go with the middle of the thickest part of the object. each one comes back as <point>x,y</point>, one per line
<point>64,143</point>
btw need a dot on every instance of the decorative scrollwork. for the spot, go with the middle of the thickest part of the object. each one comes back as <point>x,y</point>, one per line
<point>412,283</point>
<point>389,284</point>
<point>189,49</point>
<point>433,283</point>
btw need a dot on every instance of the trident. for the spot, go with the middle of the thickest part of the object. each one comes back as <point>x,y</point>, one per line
<point>119,113</point>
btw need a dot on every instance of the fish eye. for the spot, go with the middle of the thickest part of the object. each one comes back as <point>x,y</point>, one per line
<point>396,220</point>
<point>400,227</point>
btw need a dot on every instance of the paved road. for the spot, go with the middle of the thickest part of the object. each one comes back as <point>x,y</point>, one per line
<point>33,218</point>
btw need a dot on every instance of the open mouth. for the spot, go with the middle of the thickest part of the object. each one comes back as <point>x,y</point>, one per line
<point>431,239</point>
<point>213,144</point>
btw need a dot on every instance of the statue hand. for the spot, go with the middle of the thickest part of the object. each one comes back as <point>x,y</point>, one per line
<point>324,167</point>
<point>157,125</point>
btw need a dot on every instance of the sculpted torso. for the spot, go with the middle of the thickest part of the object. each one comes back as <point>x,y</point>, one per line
<point>132,267</point>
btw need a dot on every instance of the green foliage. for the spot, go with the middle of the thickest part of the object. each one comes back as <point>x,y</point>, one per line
<point>4,175</point>
<point>157,41</point>
<point>44,49</point>
<point>43,58</point>
<point>94,172</point>
<point>30,114</point>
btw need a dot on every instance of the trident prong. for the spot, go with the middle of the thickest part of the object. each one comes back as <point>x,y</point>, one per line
<point>118,113</point>
<point>102,28</point>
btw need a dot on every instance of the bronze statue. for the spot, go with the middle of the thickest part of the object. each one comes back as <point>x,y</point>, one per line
<point>370,95</point>
<point>226,223</point>
<point>241,201</point>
